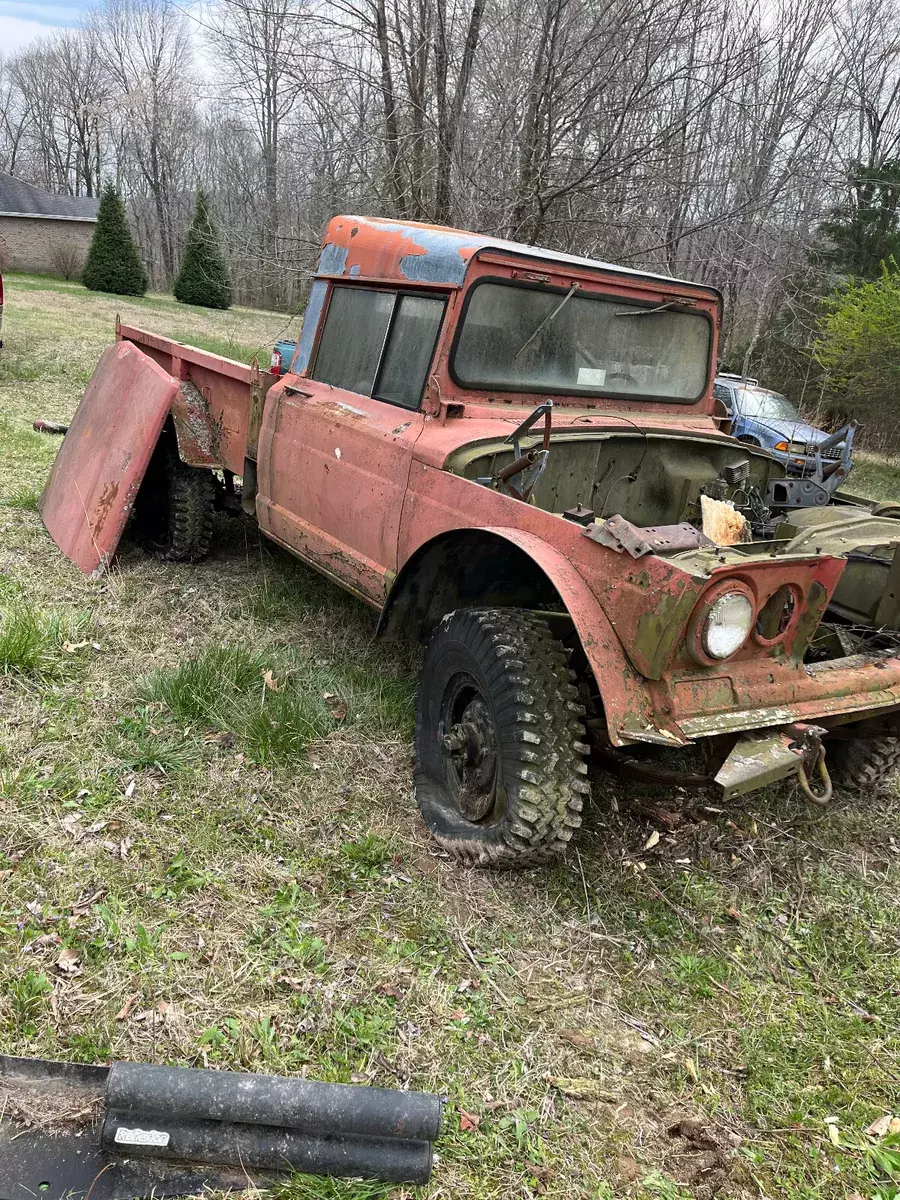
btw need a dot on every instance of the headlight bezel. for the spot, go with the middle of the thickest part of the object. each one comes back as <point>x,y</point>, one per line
<point>697,626</point>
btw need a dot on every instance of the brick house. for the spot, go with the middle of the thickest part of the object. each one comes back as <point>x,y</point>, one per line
<point>43,232</point>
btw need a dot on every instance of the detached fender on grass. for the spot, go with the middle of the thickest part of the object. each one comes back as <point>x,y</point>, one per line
<point>104,456</point>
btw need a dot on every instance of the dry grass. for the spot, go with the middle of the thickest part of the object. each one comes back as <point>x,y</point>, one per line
<point>287,913</point>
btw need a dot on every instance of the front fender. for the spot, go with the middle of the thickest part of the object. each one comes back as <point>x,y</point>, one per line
<point>424,590</point>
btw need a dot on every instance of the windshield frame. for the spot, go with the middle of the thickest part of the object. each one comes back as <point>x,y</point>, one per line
<point>579,393</point>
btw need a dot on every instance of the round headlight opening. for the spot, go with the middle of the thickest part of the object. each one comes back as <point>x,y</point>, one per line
<point>727,625</point>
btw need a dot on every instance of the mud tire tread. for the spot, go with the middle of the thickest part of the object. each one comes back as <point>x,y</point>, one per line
<point>192,497</point>
<point>517,657</point>
<point>861,764</point>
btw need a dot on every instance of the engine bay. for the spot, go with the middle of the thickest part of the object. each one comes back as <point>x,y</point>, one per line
<point>648,480</point>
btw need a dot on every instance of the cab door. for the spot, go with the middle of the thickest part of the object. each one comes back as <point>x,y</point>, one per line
<point>335,449</point>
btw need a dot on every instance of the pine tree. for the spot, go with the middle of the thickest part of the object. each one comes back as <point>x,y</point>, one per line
<point>864,233</point>
<point>203,278</point>
<point>113,262</point>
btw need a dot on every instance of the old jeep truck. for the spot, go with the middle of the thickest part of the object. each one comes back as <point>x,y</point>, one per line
<point>509,453</point>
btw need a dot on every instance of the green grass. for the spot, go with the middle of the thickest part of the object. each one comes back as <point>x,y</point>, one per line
<point>33,642</point>
<point>24,497</point>
<point>229,348</point>
<point>875,476</point>
<point>242,873</point>
<point>277,705</point>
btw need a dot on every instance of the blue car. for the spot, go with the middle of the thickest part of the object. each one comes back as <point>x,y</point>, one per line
<point>768,419</point>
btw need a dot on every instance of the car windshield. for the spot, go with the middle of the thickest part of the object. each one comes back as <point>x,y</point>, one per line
<point>757,402</point>
<point>519,338</point>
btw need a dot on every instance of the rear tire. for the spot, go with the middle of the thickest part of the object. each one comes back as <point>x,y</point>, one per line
<point>861,764</point>
<point>500,751</point>
<point>173,513</point>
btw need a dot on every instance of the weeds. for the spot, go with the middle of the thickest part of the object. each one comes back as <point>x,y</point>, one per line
<point>31,641</point>
<point>28,995</point>
<point>23,497</point>
<point>276,707</point>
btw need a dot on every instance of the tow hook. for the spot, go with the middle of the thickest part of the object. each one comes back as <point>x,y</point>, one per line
<point>808,744</point>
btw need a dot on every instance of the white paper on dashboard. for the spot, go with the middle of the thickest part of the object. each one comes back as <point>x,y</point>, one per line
<point>593,376</point>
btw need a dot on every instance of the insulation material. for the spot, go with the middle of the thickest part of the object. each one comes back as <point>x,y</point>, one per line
<point>722,523</point>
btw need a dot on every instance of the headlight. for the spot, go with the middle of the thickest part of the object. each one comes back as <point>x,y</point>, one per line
<point>727,625</point>
<point>799,448</point>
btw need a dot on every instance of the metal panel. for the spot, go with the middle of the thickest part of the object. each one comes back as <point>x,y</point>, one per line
<point>102,460</point>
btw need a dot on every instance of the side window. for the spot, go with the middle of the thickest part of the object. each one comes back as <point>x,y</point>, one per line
<point>723,393</point>
<point>353,338</point>
<point>379,343</point>
<point>407,357</point>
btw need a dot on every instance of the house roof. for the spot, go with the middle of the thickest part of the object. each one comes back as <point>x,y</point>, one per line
<point>20,199</point>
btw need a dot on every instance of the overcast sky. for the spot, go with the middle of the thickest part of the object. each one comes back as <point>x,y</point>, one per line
<point>21,21</point>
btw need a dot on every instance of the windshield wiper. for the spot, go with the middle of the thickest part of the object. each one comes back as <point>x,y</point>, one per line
<point>546,321</point>
<point>646,312</point>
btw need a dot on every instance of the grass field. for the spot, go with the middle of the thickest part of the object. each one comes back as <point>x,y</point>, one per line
<point>198,869</point>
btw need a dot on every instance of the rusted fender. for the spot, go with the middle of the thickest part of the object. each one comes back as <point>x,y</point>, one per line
<point>625,700</point>
<point>103,458</point>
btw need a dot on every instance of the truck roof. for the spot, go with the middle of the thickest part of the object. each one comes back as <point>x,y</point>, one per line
<point>412,252</point>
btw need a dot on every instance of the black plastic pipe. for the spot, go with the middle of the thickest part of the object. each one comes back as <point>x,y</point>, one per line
<point>261,1147</point>
<point>300,1104</point>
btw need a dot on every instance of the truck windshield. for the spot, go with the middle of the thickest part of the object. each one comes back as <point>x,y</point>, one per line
<point>531,339</point>
<point>756,402</point>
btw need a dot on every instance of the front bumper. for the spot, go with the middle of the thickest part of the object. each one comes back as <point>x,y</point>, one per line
<point>759,694</point>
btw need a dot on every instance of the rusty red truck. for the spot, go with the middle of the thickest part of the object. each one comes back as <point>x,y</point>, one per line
<point>515,455</point>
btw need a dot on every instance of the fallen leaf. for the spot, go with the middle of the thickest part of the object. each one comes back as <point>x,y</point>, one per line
<point>339,711</point>
<point>582,1089</point>
<point>734,913</point>
<point>125,1010</point>
<point>45,940</point>
<point>71,647</point>
<point>691,1067</point>
<point>468,1121</point>
<point>163,1006</point>
<point>69,962</point>
<point>894,1126</point>
<point>71,823</point>
<point>387,989</point>
<point>577,1037</point>
<point>629,1170</point>
<point>834,1135</point>
<point>129,791</point>
<point>880,1127</point>
<point>652,840</point>
<point>270,681</point>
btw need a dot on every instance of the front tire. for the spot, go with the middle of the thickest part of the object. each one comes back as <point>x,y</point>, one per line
<point>500,751</point>
<point>861,764</point>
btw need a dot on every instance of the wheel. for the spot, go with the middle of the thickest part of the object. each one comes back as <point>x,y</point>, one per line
<point>173,513</point>
<point>862,763</point>
<point>500,770</point>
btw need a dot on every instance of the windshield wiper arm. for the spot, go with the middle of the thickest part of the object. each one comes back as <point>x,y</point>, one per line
<point>646,312</point>
<point>546,321</point>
